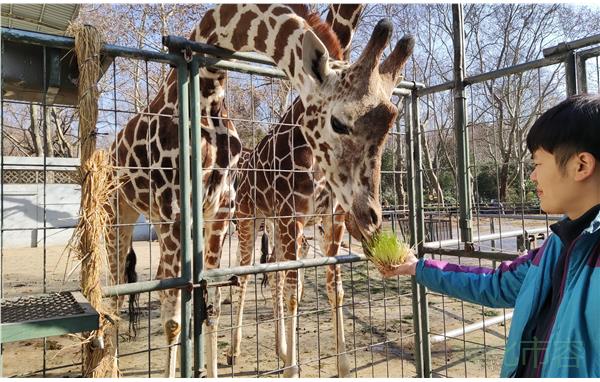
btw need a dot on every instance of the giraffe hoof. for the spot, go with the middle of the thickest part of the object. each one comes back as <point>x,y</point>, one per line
<point>291,372</point>
<point>231,360</point>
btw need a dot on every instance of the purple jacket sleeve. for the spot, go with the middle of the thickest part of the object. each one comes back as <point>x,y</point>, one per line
<point>496,288</point>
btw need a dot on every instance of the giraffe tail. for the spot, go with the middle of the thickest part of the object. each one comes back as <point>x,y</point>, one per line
<point>131,276</point>
<point>264,258</point>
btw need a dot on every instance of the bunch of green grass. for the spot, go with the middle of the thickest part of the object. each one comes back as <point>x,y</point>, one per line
<point>385,249</point>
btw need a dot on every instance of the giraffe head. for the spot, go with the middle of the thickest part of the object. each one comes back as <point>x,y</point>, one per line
<point>348,114</point>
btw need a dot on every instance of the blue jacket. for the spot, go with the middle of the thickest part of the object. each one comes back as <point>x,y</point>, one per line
<point>573,346</point>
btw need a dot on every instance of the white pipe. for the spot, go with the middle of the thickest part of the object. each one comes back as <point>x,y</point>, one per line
<point>492,236</point>
<point>471,328</point>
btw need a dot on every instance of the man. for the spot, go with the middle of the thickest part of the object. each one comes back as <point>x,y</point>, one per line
<point>555,290</point>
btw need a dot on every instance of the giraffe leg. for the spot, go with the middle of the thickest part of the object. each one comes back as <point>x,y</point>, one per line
<point>291,243</point>
<point>214,235</point>
<point>330,243</point>
<point>170,300</point>
<point>118,243</point>
<point>276,282</point>
<point>246,236</point>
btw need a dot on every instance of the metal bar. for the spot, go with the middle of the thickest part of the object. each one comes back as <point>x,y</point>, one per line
<point>435,88</point>
<point>185,232</point>
<point>217,275</point>
<point>212,62</point>
<point>492,236</point>
<point>497,256</point>
<point>500,73</point>
<point>571,73</point>
<point>460,127</point>
<point>36,38</point>
<point>589,53</point>
<point>514,69</point>
<point>178,43</point>
<point>412,225</point>
<point>571,45</point>
<point>420,238</point>
<point>471,328</point>
<point>144,286</point>
<point>526,217</point>
<point>197,201</point>
<point>581,74</point>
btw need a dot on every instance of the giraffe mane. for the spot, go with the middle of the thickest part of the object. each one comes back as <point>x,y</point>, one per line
<point>321,28</point>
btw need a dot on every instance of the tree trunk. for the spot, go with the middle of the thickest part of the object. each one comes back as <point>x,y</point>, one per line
<point>398,176</point>
<point>47,130</point>
<point>34,130</point>
<point>430,173</point>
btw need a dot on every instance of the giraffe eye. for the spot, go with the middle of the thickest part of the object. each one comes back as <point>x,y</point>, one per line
<point>339,127</point>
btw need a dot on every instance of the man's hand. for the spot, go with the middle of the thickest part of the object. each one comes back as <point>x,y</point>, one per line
<point>408,267</point>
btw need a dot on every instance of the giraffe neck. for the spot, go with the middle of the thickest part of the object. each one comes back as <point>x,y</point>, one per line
<point>343,19</point>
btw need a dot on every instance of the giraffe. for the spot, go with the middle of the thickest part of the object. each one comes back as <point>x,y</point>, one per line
<point>342,19</point>
<point>146,154</point>
<point>294,178</point>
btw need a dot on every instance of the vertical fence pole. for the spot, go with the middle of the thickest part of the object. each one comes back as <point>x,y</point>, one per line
<point>420,238</point>
<point>571,73</point>
<point>581,74</point>
<point>185,233</point>
<point>197,228</point>
<point>460,127</point>
<point>412,226</point>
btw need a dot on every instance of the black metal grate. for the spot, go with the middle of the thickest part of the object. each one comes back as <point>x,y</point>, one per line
<point>39,307</point>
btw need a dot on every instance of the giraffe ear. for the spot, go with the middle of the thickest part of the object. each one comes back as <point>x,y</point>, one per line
<point>315,57</point>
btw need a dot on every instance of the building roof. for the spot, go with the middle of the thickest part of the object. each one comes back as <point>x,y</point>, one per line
<point>46,18</point>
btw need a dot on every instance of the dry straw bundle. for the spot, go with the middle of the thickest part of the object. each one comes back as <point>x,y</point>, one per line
<point>92,227</point>
<point>88,42</point>
<point>97,185</point>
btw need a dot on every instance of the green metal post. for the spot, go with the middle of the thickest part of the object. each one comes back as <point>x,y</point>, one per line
<point>581,74</point>
<point>412,211</point>
<point>460,128</point>
<point>420,239</point>
<point>186,239</point>
<point>571,73</point>
<point>197,228</point>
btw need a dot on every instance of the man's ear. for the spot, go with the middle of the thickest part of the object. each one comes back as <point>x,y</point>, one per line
<point>315,57</point>
<point>585,166</point>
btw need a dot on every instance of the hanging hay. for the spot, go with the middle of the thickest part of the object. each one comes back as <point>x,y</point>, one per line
<point>88,42</point>
<point>97,185</point>
<point>88,244</point>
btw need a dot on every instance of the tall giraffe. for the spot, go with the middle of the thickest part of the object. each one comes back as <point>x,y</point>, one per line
<point>342,19</point>
<point>294,179</point>
<point>146,151</point>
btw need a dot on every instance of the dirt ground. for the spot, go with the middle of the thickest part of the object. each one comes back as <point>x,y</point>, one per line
<point>378,325</point>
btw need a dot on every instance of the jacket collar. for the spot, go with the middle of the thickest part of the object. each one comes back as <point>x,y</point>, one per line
<point>568,230</point>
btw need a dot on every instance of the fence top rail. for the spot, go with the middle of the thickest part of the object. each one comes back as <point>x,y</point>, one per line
<point>178,44</point>
<point>557,56</point>
<point>43,39</point>
<point>572,45</point>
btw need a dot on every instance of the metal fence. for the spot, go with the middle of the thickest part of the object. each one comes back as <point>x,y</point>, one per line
<point>394,328</point>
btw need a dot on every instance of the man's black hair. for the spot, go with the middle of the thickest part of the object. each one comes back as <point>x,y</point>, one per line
<point>571,127</point>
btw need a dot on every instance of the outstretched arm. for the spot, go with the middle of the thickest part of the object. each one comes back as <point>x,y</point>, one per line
<point>497,288</point>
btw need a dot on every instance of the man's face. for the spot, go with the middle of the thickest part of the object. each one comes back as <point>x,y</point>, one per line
<point>555,188</point>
